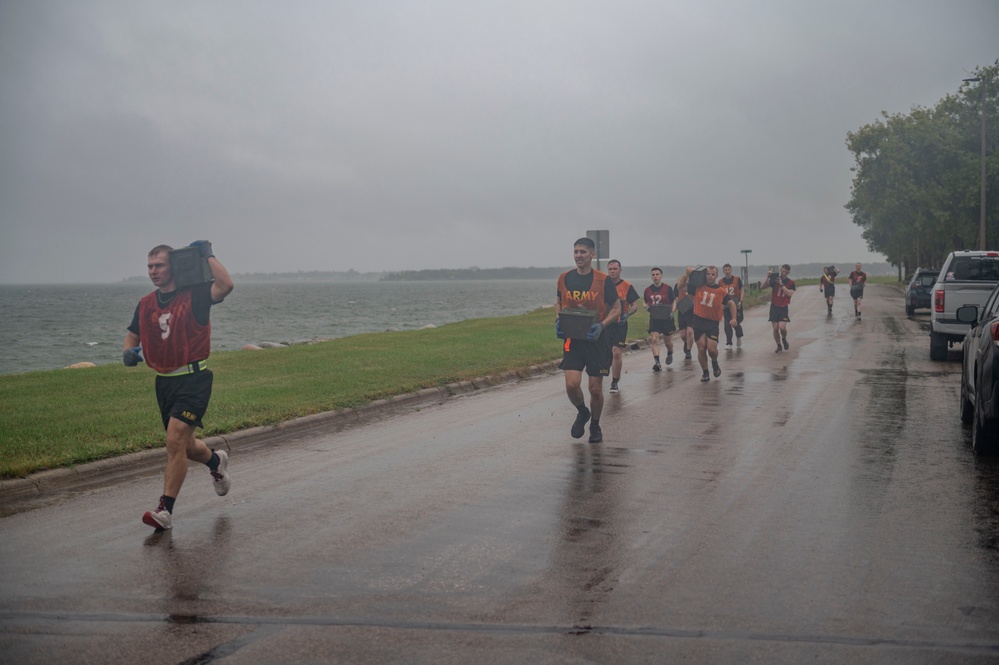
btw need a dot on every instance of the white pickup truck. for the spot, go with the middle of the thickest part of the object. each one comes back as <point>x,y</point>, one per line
<point>966,278</point>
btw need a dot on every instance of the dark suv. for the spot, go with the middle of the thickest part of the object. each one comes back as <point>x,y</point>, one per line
<point>980,373</point>
<point>919,290</point>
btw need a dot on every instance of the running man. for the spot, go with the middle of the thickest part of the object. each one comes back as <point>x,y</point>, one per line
<point>171,327</point>
<point>736,289</point>
<point>589,289</point>
<point>827,285</point>
<point>710,302</point>
<point>662,295</point>
<point>684,313</point>
<point>782,288</point>
<point>618,332</point>
<point>858,279</point>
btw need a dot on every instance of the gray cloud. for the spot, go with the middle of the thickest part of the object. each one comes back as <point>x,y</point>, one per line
<point>402,135</point>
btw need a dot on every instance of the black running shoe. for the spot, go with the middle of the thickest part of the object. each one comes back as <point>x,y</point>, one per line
<point>716,367</point>
<point>596,434</point>
<point>786,345</point>
<point>579,427</point>
<point>778,349</point>
<point>657,368</point>
<point>614,387</point>
<point>669,358</point>
<point>705,376</point>
<point>686,355</point>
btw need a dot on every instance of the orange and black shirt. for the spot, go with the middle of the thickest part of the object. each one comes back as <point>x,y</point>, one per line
<point>594,291</point>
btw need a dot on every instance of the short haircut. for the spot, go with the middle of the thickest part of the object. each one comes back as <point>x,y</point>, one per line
<point>715,268</point>
<point>159,249</point>
<point>585,242</point>
<point>786,267</point>
<point>613,261</point>
<point>727,265</point>
<point>655,269</point>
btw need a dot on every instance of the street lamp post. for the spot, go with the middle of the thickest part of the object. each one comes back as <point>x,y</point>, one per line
<point>745,276</point>
<point>981,111</point>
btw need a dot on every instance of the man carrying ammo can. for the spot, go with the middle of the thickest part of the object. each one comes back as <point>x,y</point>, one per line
<point>171,327</point>
<point>589,297</point>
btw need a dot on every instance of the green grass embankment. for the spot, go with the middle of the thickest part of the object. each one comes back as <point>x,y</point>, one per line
<point>70,416</point>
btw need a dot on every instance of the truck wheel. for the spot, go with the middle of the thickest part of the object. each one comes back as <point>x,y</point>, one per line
<point>938,346</point>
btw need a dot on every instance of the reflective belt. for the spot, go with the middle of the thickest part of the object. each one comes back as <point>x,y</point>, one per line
<point>191,368</point>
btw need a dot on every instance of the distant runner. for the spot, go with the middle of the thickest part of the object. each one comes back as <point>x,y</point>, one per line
<point>827,285</point>
<point>736,289</point>
<point>618,331</point>
<point>661,295</point>
<point>780,297</point>
<point>710,302</point>
<point>858,280</point>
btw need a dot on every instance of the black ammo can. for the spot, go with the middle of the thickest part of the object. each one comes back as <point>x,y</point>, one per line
<point>188,268</point>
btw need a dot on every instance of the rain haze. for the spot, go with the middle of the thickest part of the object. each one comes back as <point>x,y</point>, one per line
<point>380,136</point>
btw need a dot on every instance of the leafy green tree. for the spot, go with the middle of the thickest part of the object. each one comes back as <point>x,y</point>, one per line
<point>915,190</point>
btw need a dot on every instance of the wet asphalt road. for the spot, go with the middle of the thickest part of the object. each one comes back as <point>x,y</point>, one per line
<point>821,505</point>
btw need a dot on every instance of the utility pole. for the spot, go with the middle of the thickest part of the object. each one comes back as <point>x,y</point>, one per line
<point>981,111</point>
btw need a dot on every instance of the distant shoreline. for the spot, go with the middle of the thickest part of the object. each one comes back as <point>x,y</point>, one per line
<point>756,272</point>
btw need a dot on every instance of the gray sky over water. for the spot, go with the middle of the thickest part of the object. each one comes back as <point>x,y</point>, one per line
<point>406,135</point>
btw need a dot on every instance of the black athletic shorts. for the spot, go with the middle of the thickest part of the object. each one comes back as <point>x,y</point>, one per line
<point>661,326</point>
<point>705,327</point>
<point>856,292</point>
<point>778,314</point>
<point>594,357</point>
<point>830,290</point>
<point>617,333</point>
<point>684,319</point>
<point>184,397</point>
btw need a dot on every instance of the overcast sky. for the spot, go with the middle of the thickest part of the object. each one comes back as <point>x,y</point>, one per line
<point>405,135</point>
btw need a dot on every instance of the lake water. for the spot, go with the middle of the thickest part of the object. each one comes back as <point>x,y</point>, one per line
<point>52,326</point>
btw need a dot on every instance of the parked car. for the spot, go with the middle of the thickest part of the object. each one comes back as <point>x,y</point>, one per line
<point>919,290</point>
<point>980,373</point>
<point>966,278</point>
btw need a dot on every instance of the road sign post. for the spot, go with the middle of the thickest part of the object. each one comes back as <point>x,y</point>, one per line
<point>602,240</point>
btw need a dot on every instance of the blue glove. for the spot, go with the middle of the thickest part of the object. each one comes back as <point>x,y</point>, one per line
<point>132,357</point>
<point>595,331</point>
<point>204,246</point>
<point>624,317</point>
<point>558,330</point>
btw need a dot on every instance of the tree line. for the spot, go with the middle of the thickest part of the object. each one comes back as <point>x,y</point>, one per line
<point>634,274</point>
<point>915,190</point>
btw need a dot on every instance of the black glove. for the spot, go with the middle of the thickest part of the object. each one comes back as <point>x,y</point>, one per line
<point>132,357</point>
<point>204,246</point>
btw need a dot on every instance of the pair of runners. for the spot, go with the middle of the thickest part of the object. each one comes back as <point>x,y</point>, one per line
<point>827,285</point>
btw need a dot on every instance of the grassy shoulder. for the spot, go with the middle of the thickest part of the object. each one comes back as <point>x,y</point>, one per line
<point>64,417</point>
